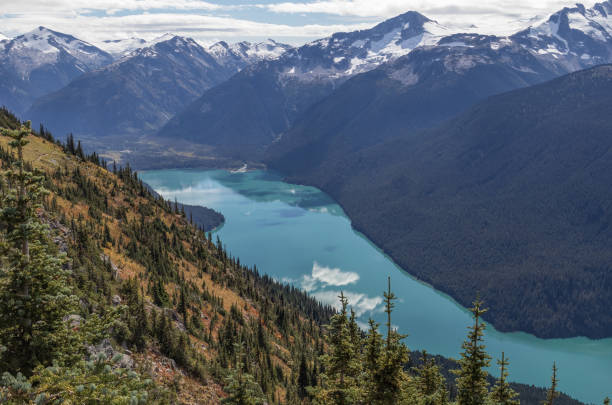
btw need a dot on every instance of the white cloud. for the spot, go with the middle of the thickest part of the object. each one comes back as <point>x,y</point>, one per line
<point>333,276</point>
<point>327,276</point>
<point>494,17</point>
<point>151,25</point>
<point>360,303</point>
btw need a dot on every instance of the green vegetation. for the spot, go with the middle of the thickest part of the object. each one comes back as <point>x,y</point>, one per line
<point>108,294</point>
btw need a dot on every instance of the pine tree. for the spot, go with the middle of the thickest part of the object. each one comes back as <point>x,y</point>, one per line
<point>472,385</point>
<point>394,356</point>
<point>502,394</point>
<point>242,387</point>
<point>430,384</point>
<point>340,382</point>
<point>606,401</point>
<point>303,380</point>
<point>34,292</point>
<point>372,353</point>
<point>552,393</point>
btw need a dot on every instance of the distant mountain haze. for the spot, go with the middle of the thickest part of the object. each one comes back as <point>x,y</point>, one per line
<point>138,93</point>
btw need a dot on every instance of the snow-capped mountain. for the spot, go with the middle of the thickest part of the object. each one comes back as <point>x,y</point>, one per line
<point>43,46</point>
<point>3,37</point>
<point>122,47</point>
<point>348,53</point>
<point>42,61</point>
<point>239,55</point>
<point>574,37</point>
<point>273,93</point>
<point>134,95</point>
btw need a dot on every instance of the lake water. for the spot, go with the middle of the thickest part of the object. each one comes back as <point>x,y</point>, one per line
<point>298,234</point>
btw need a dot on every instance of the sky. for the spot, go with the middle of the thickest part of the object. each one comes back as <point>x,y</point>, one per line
<point>290,21</point>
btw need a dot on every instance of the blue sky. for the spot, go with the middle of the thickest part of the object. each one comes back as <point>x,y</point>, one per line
<point>291,21</point>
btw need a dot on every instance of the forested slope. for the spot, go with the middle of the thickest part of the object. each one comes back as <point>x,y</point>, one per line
<point>511,199</point>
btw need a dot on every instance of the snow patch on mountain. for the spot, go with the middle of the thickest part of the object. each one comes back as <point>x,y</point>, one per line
<point>239,55</point>
<point>122,47</point>
<point>43,46</point>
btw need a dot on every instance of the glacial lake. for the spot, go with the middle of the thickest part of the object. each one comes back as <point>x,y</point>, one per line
<point>299,235</point>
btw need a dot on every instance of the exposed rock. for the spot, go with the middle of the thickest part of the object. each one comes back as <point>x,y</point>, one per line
<point>116,300</point>
<point>105,347</point>
<point>74,320</point>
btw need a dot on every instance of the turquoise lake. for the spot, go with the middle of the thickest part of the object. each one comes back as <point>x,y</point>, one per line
<point>299,235</point>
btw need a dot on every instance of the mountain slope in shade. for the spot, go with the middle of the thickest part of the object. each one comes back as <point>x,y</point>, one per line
<point>432,84</point>
<point>512,195</point>
<point>135,95</point>
<point>42,61</point>
<point>245,114</point>
<point>416,91</point>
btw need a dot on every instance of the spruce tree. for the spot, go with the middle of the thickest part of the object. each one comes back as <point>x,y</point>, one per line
<point>472,385</point>
<point>340,382</point>
<point>371,359</point>
<point>34,292</point>
<point>393,359</point>
<point>552,393</point>
<point>430,383</point>
<point>502,394</point>
<point>242,387</point>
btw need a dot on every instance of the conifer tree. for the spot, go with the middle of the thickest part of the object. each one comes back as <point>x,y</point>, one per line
<point>394,356</point>
<point>472,385</point>
<point>340,382</point>
<point>242,387</point>
<point>34,292</point>
<point>552,393</point>
<point>430,384</point>
<point>303,380</point>
<point>371,358</point>
<point>606,401</point>
<point>502,394</point>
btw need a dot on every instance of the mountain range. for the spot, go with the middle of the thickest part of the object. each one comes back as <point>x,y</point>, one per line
<point>42,61</point>
<point>302,83</point>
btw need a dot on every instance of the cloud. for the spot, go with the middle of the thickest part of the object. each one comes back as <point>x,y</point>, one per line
<point>98,20</point>
<point>327,276</point>
<point>496,17</point>
<point>361,303</point>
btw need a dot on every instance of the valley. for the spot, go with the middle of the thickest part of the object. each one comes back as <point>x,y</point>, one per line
<point>318,251</point>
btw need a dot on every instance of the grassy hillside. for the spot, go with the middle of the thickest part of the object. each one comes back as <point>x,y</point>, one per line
<point>127,247</point>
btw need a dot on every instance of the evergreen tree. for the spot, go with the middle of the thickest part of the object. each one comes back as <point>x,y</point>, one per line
<point>394,356</point>
<point>242,387</point>
<point>34,292</point>
<point>303,380</point>
<point>552,393</point>
<point>502,394</point>
<point>606,401</point>
<point>372,353</point>
<point>430,384</point>
<point>340,382</point>
<point>472,385</point>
